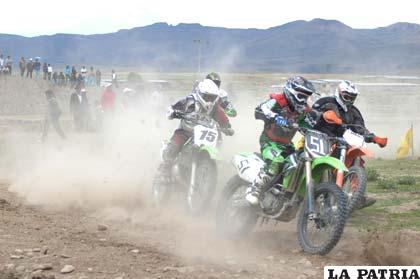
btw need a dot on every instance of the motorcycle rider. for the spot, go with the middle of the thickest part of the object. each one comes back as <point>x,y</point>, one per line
<point>203,100</point>
<point>225,103</point>
<point>342,103</point>
<point>281,110</point>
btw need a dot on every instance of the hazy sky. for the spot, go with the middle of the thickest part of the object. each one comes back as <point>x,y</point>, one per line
<point>45,17</point>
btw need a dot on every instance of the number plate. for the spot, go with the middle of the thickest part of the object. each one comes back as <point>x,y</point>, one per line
<point>205,136</point>
<point>248,167</point>
<point>354,139</point>
<point>317,144</point>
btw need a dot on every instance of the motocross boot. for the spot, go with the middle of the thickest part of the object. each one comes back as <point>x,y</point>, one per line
<point>365,201</point>
<point>164,171</point>
<point>252,194</point>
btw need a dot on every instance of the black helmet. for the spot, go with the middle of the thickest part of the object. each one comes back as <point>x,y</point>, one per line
<point>297,90</point>
<point>215,78</point>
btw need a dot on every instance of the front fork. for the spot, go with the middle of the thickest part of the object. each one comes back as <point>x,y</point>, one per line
<point>192,178</point>
<point>309,186</point>
<point>340,173</point>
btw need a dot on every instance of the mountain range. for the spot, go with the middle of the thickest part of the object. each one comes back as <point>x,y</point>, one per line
<point>316,46</point>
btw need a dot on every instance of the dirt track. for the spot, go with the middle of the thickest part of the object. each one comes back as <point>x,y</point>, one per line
<point>167,248</point>
<point>139,243</point>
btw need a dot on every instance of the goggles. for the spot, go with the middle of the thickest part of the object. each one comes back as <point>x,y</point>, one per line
<point>301,97</point>
<point>209,97</point>
<point>348,97</point>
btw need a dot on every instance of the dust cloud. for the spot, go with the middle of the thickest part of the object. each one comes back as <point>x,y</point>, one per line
<point>109,173</point>
<point>112,167</point>
<point>89,170</point>
<point>116,166</point>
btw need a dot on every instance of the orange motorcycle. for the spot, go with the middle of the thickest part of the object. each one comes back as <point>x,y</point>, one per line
<point>349,149</point>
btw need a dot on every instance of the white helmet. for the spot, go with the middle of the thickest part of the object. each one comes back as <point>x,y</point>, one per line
<point>345,94</point>
<point>208,94</point>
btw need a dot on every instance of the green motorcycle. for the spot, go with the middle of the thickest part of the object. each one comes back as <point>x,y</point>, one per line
<point>194,172</point>
<point>324,206</point>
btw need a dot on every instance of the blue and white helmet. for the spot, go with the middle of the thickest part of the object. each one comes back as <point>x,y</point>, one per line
<point>345,94</point>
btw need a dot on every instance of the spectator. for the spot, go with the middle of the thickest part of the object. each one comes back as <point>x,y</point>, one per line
<point>1,64</point>
<point>86,118</point>
<point>61,79</point>
<point>67,73</point>
<point>73,76</point>
<point>98,77</point>
<point>45,71</point>
<point>108,100</point>
<point>55,78</point>
<point>9,64</point>
<point>91,77</point>
<point>37,68</point>
<point>29,68</point>
<point>50,71</point>
<point>80,80</point>
<point>83,72</point>
<point>78,107</point>
<point>22,66</point>
<point>52,116</point>
<point>114,78</point>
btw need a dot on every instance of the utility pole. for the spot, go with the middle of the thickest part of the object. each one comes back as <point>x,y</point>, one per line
<point>200,44</point>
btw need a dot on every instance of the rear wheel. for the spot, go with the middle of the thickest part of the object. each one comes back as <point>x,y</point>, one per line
<point>320,233</point>
<point>354,186</point>
<point>235,218</point>
<point>199,196</point>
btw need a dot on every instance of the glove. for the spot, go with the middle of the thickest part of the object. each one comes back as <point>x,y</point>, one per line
<point>281,121</point>
<point>382,142</point>
<point>369,137</point>
<point>177,114</point>
<point>228,131</point>
<point>170,113</point>
<point>173,113</point>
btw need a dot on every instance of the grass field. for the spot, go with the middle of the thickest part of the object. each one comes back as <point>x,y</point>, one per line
<point>396,185</point>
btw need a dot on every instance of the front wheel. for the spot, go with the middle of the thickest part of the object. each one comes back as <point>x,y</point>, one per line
<point>235,218</point>
<point>354,186</point>
<point>161,191</point>
<point>320,233</point>
<point>200,194</point>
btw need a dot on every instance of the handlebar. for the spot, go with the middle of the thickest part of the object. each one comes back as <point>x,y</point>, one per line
<point>303,130</point>
<point>356,125</point>
<point>201,119</point>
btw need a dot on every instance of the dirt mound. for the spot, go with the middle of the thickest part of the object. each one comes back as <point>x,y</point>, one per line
<point>389,248</point>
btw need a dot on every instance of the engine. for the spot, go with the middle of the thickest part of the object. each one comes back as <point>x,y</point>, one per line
<point>273,199</point>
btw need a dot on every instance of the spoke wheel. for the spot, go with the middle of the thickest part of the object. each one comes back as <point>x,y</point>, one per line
<point>320,232</point>
<point>354,186</point>
<point>235,217</point>
<point>199,196</point>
